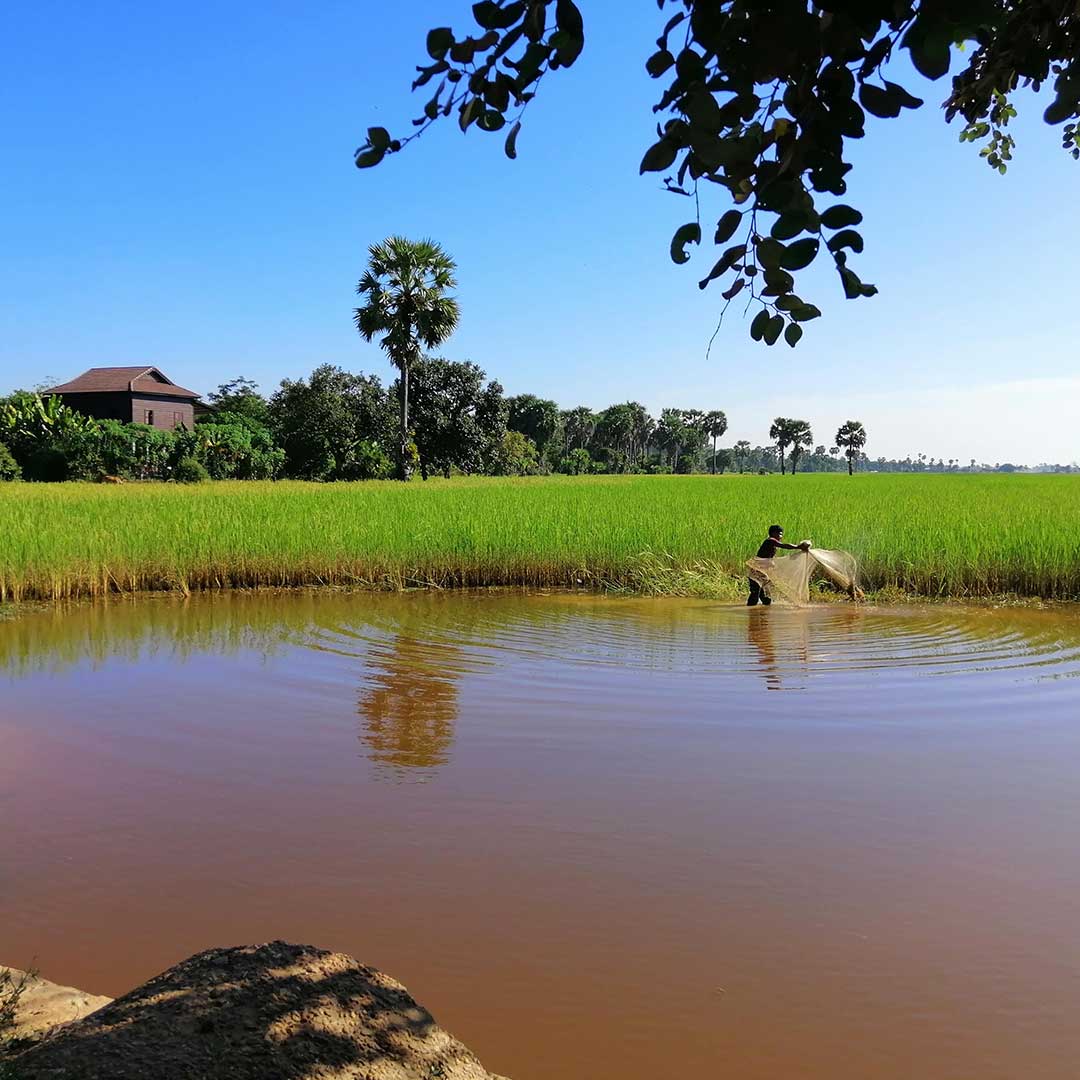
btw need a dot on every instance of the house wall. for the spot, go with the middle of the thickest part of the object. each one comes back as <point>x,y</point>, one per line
<point>168,413</point>
<point>100,406</point>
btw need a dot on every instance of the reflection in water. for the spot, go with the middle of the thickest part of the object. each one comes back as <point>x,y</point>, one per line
<point>409,704</point>
<point>791,658</point>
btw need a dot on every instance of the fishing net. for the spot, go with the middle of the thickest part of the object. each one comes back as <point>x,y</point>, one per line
<point>788,577</point>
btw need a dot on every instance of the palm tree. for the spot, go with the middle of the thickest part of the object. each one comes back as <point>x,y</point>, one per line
<point>780,433</point>
<point>405,288</point>
<point>801,436</point>
<point>715,426</point>
<point>852,437</point>
<point>742,452</point>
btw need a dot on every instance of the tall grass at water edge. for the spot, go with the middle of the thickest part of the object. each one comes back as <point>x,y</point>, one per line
<point>957,536</point>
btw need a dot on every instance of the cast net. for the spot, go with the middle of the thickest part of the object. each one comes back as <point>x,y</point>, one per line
<point>788,577</point>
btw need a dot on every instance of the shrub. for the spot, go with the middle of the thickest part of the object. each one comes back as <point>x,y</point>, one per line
<point>46,464</point>
<point>190,470</point>
<point>577,463</point>
<point>9,467</point>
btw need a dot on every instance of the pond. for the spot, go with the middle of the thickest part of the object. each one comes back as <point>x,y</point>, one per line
<point>599,838</point>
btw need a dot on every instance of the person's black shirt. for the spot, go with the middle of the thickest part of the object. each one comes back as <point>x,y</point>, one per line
<point>768,548</point>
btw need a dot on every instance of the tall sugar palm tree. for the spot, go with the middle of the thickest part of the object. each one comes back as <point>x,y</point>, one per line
<point>715,426</point>
<point>852,437</point>
<point>405,290</point>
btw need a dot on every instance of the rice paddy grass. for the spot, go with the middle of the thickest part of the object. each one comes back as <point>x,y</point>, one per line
<point>959,536</point>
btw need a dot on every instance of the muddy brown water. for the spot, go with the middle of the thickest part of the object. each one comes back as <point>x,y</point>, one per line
<point>598,838</point>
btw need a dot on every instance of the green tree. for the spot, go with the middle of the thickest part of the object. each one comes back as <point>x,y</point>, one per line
<point>715,427</point>
<point>49,440</point>
<point>762,101</point>
<point>742,453</point>
<point>333,426</point>
<point>578,426</point>
<point>407,307</point>
<point>577,463</point>
<point>672,435</point>
<point>240,397</point>
<point>852,437</point>
<point>458,418</point>
<point>780,433</point>
<point>801,437</point>
<point>615,437</point>
<point>9,467</point>
<point>538,419</point>
<point>723,459</point>
<point>234,447</point>
<point>515,455</point>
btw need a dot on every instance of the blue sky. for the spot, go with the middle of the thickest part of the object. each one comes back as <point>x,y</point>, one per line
<point>177,188</point>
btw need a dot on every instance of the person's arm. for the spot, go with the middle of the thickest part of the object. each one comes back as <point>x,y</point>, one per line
<point>789,547</point>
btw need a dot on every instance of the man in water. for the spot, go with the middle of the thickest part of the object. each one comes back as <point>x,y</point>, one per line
<point>772,543</point>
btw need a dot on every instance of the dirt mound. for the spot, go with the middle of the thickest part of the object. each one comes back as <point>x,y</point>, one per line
<point>45,1005</point>
<point>256,1013</point>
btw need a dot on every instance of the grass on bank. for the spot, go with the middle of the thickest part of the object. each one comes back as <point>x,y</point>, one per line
<point>956,536</point>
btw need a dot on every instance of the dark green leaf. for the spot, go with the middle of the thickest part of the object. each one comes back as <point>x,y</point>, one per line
<point>1059,110</point>
<point>898,93</point>
<point>491,120</point>
<point>379,138</point>
<point>800,254</point>
<point>774,329</point>
<point>757,327</point>
<point>366,158</point>
<point>769,253</point>
<point>492,17</point>
<point>805,313</point>
<point>840,216</point>
<point>725,228</point>
<point>788,226</point>
<point>658,157</point>
<point>929,46</point>
<point>877,101</point>
<point>439,41</point>
<point>469,112</point>
<point>659,62</point>
<point>849,238</point>
<point>571,33</point>
<point>792,334</point>
<point>735,289</point>
<point>684,234</point>
<point>511,141</point>
<point>724,263</point>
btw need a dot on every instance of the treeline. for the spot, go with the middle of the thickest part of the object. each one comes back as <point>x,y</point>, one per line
<point>336,425</point>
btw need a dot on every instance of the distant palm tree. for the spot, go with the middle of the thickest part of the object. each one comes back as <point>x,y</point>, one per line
<point>742,452</point>
<point>852,437</point>
<point>715,426</point>
<point>801,438</point>
<point>780,433</point>
<point>405,289</point>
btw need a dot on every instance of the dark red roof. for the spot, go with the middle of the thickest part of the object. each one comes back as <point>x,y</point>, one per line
<point>111,380</point>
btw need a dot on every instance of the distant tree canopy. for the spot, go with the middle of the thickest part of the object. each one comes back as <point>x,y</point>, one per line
<point>760,99</point>
<point>239,397</point>
<point>457,417</point>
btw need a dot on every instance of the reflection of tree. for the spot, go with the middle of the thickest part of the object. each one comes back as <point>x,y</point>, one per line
<point>409,704</point>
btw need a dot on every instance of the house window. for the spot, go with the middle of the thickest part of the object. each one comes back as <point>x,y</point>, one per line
<point>150,417</point>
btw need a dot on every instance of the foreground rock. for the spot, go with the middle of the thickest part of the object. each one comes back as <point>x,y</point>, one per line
<point>44,1005</point>
<point>256,1013</point>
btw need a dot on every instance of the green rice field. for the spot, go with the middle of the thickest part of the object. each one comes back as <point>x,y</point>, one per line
<point>924,535</point>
